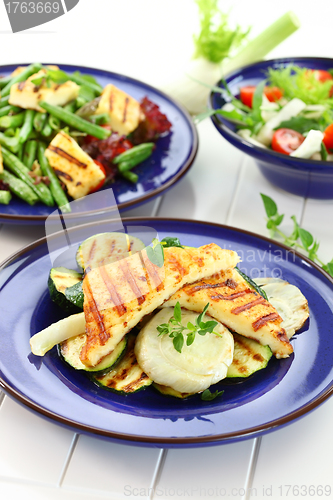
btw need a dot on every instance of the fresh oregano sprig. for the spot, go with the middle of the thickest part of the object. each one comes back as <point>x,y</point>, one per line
<point>209,396</point>
<point>299,238</point>
<point>175,330</point>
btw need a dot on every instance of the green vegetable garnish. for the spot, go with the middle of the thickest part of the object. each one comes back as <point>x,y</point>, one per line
<point>175,330</point>
<point>216,39</point>
<point>155,253</point>
<point>299,238</point>
<point>209,396</point>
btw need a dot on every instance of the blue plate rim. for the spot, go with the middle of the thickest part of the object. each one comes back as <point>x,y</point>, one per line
<point>127,205</point>
<point>246,433</point>
<point>252,149</point>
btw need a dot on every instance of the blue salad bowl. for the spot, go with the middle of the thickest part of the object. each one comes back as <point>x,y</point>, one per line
<point>308,178</point>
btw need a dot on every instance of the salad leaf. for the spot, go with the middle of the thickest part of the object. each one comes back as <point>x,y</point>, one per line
<point>216,38</point>
<point>209,396</point>
<point>301,124</point>
<point>301,83</point>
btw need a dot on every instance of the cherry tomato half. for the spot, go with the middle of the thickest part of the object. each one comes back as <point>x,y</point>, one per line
<point>286,140</point>
<point>328,138</point>
<point>322,75</point>
<point>246,94</point>
<point>99,164</point>
<point>90,138</point>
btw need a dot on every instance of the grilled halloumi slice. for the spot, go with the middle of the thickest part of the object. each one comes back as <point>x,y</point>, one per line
<point>27,95</point>
<point>117,296</point>
<point>124,111</point>
<point>73,166</point>
<point>238,307</point>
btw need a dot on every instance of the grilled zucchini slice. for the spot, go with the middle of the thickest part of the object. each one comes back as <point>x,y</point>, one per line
<point>105,248</point>
<point>168,391</point>
<point>70,351</point>
<point>126,376</point>
<point>61,278</point>
<point>249,357</point>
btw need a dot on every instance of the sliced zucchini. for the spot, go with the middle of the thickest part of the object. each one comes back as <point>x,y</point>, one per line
<point>105,248</point>
<point>168,391</point>
<point>249,357</point>
<point>70,350</point>
<point>126,376</point>
<point>61,278</point>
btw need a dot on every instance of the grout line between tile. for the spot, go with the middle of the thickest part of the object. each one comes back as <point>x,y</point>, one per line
<point>157,472</point>
<point>304,203</point>
<point>68,459</point>
<point>157,206</point>
<point>2,397</point>
<point>252,468</point>
<point>236,190</point>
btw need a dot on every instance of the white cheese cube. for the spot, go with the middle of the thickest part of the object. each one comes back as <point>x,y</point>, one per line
<point>124,111</point>
<point>27,95</point>
<point>73,166</point>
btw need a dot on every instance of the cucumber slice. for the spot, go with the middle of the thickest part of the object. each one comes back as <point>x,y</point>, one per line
<point>126,376</point>
<point>249,357</point>
<point>70,351</point>
<point>105,248</point>
<point>168,391</point>
<point>59,280</point>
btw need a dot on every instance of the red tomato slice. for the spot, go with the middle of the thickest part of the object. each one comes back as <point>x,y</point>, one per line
<point>328,137</point>
<point>272,93</point>
<point>99,164</point>
<point>322,75</point>
<point>286,140</point>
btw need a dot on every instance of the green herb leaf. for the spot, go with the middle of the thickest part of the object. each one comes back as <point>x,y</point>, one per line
<point>177,313</point>
<point>171,241</point>
<point>155,254</point>
<point>209,396</point>
<point>323,151</point>
<point>300,124</point>
<point>306,238</point>
<point>178,342</point>
<point>252,283</point>
<point>257,100</point>
<point>269,204</point>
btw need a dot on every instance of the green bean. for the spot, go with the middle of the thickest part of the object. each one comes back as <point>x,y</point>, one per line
<point>19,188</point>
<point>80,80</point>
<point>39,121</point>
<point>55,186</point>
<point>102,119</point>
<point>29,155</point>
<point>20,152</point>
<point>27,125</point>
<point>47,129</point>
<point>28,71</point>
<point>11,132</point>
<point>54,122</point>
<point>22,172</point>
<point>131,176</point>
<point>124,166</point>
<point>9,109</point>
<point>71,106</point>
<point>80,101</point>
<point>4,101</point>
<point>9,142</point>
<point>5,197</point>
<point>12,121</point>
<point>133,152</point>
<point>75,121</point>
<point>4,80</point>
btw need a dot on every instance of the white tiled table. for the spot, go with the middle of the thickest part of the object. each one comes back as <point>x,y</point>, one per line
<point>39,460</point>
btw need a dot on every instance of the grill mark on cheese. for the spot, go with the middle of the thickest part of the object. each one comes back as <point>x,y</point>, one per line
<point>132,282</point>
<point>249,305</point>
<point>260,322</point>
<point>191,290</point>
<point>21,86</point>
<point>115,297</point>
<point>60,152</point>
<point>233,296</point>
<point>151,273</point>
<point>60,173</point>
<point>125,109</point>
<point>93,309</point>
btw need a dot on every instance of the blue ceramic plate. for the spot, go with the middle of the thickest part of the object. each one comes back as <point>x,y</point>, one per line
<point>286,390</point>
<point>171,159</point>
